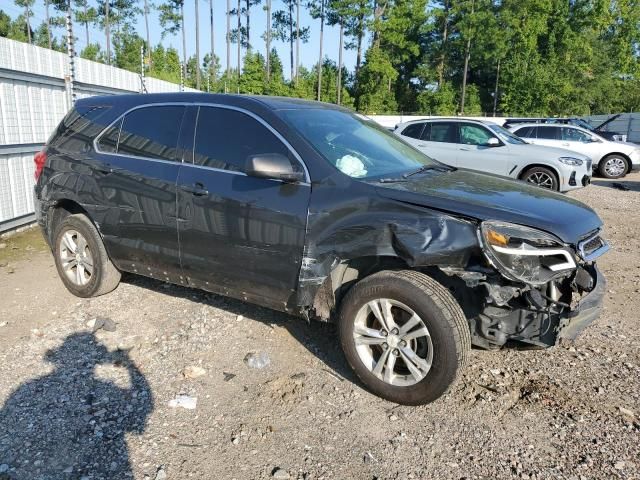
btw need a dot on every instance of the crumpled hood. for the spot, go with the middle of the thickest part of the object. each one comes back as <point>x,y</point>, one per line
<point>489,197</point>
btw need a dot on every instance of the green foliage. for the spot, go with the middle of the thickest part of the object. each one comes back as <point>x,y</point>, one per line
<point>438,101</point>
<point>375,81</point>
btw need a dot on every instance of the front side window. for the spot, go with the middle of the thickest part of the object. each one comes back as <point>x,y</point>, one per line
<point>414,130</point>
<point>353,144</point>
<point>151,132</point>
<point>574,135</point>
<point>474,135</point>
<point>225,138</point>
<point>548,133</point>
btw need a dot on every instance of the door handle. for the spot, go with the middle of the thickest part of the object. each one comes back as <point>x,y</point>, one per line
<point>422,145</point>
<point>197,189</point>
<point>565,145</point>
<point>465,149</point>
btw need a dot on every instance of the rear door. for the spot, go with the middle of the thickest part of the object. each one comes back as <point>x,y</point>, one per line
<point>439,140</point>
<point>135,172</point>
<point>547,135</point>
<point>475,153</point>
<point>239,235</point>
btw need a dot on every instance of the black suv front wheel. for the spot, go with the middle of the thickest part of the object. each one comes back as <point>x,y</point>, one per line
<point>404,335</point>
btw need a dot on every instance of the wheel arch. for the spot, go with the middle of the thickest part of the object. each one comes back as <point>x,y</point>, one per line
<point>528,167</point>
<point>626,157</point>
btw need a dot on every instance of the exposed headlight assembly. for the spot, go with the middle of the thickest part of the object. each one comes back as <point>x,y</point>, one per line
<point>576,162</point>
<point>525,254</point>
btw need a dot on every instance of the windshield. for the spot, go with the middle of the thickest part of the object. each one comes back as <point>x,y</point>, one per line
<point>355,145</point>
<point>505,135</point>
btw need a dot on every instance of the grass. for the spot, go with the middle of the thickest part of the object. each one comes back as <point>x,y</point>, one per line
<point>21,245</point>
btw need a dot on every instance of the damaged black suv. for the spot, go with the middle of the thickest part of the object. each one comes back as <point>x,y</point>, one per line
<point>310,209</point>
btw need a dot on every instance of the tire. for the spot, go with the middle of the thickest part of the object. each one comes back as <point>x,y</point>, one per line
<point>613,166</point>
<point>86,271</point>
<point>445,349</point>
<point>542,177</point>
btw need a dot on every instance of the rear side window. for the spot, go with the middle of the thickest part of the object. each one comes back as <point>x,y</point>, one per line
<point>548,133</point>
<point>225,138</point>
<point>151,132</point>
<point>526,132</point>
<point>443,132</point>
<point>109,139</point>
<point>414,130</point>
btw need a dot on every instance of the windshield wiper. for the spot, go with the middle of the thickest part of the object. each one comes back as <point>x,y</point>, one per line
<point>424,168</point>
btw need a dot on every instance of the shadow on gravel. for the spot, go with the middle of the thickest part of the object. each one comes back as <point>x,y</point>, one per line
<point>321,339</point>
<point>625,185</point>
<point>70,424</point>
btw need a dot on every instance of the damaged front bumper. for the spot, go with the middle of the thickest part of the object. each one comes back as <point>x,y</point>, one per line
<point>586,311</point>
<point>523,315</point>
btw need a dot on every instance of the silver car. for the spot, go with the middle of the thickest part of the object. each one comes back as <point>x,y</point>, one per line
<point>486,146</point>
<point>611,159</point>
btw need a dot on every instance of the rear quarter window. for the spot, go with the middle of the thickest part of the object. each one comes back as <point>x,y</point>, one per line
<point>79,127</point>
<point>414,130</point>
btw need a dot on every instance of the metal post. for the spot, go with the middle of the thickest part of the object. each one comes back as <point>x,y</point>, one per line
<point>71,78</point>
<point>181,76</point>
<point>143,87</point>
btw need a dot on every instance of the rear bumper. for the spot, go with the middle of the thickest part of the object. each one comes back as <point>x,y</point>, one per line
<point>587,310</point>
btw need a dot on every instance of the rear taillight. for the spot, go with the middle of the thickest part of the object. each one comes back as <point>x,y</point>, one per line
<point>39,159</point>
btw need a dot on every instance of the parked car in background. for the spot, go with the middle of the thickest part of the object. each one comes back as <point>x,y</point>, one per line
<point>610,159</point>
<point>579,122</point>
<point>309,209</point>
<point>487,147</point>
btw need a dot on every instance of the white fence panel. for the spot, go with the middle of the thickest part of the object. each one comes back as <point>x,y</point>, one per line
<point>33,99</point>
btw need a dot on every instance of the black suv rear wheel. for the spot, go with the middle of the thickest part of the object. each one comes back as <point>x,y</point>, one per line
<point>81,259</point>
<point>404,335</point>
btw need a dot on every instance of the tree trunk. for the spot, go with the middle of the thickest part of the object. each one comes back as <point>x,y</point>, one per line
<point>184,41</point>
<point>86,22</point>
<point>211,63</point>
<point>228,38</point>
<point>239,49</point>
<point>467,53</point>
<point>339,80</point>
<point>268,58</point>
<point>107,28</point>
<point>27,15</point>
<point>197,44</point>
<point>320,55</point>
<point>359,49</point>
<point>495,90</point>
<point>146,26</point>
<point>297,39</point>
<point>445,32</point>
<point>248,18</point>
<point>46,15</point>
<point>291,40</point>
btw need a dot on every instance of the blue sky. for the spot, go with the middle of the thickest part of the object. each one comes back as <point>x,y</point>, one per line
<point>308,51</point>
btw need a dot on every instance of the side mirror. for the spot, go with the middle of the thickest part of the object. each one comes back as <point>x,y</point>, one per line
<point>493,142</point>
<point>272,165</point>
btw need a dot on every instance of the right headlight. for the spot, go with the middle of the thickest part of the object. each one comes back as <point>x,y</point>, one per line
<point>571,161</point>
<point>525,254</point>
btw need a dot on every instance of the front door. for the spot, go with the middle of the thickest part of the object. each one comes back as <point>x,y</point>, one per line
<point>239,235</point>
<point>475,153</point>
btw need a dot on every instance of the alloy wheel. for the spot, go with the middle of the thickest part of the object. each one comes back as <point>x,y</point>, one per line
<point>393,342</point>
<point>76,257</point>
<point>541,179</point>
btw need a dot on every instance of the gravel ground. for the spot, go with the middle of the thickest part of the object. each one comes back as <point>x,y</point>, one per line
<point>84,405</point>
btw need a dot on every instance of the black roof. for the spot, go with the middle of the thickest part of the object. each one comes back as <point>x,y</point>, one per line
<point>270,102</point>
